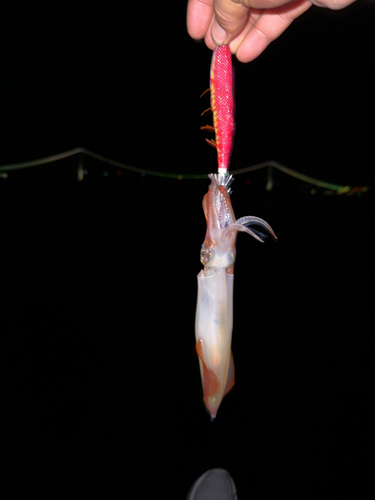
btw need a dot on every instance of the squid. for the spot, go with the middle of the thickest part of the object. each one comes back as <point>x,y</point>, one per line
<point>214,311</point>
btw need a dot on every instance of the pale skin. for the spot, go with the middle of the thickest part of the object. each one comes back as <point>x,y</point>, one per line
<point>248,26</point>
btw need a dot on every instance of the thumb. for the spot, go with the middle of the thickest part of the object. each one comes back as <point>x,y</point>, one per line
<point>230,18</point>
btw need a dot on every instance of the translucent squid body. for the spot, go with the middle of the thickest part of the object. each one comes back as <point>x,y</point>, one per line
<point>214,314</point>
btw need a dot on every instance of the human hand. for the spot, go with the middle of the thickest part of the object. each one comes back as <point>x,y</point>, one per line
<point>248,26</point>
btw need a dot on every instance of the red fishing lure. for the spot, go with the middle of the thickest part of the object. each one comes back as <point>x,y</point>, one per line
<point>222,105</point>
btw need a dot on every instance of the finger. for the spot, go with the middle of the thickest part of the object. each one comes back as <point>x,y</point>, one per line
<point>230,18</point>
<point>253,17</point>
<point>263,4</point>
<point>198,17</point>
<point>208,38</point>
<point>263,28</point>
<point>332,4</point>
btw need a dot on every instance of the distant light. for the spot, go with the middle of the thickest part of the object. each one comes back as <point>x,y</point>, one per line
<point>180,177</point>
<point>105,173</point>
<point>118,172</point>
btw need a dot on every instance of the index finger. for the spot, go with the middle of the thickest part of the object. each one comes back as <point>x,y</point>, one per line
<point>198,17</point>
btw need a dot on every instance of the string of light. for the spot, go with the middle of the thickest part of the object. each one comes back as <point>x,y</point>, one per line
<point>270,164</point>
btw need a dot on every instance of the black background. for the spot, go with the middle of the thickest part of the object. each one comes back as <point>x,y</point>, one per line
<point>99,277</point>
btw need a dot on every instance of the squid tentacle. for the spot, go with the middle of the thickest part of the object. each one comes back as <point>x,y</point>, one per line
<point>239,227</point>
<point>250,220</point>
<point>242,225</point>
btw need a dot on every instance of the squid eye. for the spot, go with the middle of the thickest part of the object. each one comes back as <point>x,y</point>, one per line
<point>206,254</point>
<point>232,256</point>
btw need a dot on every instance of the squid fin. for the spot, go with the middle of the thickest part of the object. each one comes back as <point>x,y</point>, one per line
<point>230,378</point>
<point>210,381</point>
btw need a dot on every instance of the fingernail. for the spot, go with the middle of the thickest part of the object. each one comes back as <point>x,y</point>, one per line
<point>218,34</point>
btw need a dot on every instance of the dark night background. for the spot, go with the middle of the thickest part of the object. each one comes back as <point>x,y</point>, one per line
<point>99,276</point>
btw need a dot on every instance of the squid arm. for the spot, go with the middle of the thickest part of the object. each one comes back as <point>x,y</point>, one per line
<point>214,312</point>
